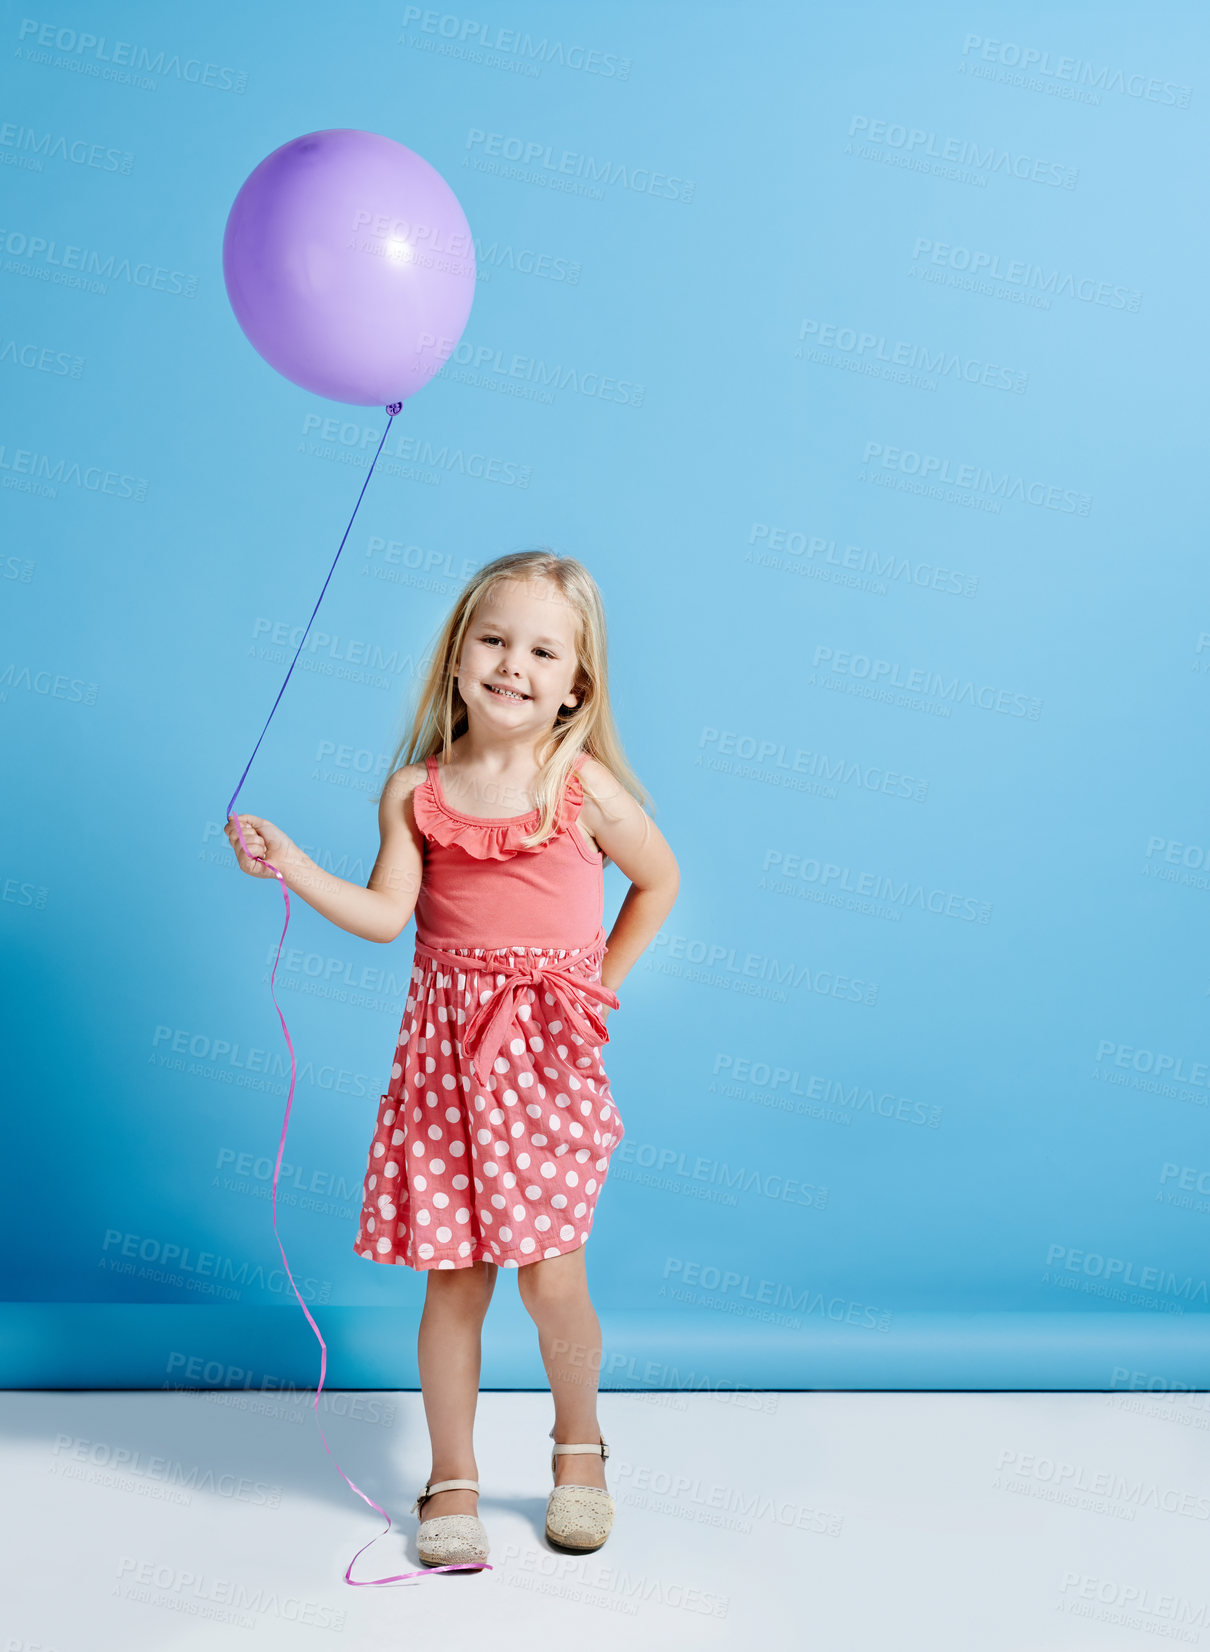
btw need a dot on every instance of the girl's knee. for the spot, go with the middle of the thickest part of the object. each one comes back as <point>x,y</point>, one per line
<point>471,1284</point>
<point>553,1279</point>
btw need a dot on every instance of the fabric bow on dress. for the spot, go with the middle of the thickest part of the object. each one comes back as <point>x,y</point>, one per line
<point>492,1020</point>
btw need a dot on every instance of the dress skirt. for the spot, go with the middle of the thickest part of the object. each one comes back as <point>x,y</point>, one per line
<point>496,1129</point>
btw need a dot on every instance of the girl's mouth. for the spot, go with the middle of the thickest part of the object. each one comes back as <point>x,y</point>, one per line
<point>505,693</point>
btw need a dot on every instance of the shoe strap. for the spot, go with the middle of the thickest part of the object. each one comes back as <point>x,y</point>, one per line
<point>431,1488</point>
<point>601,1447</point>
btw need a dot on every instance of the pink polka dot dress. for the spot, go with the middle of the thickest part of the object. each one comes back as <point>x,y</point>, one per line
<point>496,1130</point>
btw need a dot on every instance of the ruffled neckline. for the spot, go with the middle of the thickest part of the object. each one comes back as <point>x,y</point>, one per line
<point>488,839</point>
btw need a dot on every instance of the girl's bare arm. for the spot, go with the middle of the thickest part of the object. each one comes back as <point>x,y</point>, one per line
<point>638,848</point>
<point>381,910</point>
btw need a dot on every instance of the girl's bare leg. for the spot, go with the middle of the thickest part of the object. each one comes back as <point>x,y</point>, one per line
<point>555,1294</point>
<point>449,1350</point>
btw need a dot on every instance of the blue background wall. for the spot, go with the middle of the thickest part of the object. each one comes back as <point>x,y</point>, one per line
<point>877,420</point>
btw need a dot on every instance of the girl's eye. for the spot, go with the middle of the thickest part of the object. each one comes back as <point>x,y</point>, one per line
<point>545,651</point>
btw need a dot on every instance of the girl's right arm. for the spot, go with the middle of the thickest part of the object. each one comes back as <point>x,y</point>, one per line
<point>380,911</point>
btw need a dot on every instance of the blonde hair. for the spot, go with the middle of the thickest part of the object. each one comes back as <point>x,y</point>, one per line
<point>441,716</point>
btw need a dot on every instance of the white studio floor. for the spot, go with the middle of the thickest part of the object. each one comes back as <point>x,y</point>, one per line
<point>1002,1522</point>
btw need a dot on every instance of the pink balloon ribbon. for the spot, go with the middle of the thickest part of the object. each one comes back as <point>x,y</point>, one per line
<point>397,1577</point>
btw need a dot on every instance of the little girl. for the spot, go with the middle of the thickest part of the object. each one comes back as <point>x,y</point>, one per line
<point>495,1133</point>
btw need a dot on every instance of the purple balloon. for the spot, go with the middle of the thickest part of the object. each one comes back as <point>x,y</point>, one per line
<point>350,266</point>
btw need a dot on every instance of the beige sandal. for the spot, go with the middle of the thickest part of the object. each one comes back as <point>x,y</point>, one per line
<point>578,1518</point>
<point>449,1538</point>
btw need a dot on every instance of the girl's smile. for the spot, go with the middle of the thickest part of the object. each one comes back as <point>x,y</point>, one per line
<point>523,633</point>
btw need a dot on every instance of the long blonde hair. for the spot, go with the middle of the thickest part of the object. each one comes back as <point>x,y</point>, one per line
<point>441,716</point>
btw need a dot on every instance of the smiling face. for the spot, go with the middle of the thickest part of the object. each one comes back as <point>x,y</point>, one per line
<point>518,659</point>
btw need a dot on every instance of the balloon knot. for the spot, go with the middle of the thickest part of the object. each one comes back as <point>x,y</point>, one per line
<point>394,407</point>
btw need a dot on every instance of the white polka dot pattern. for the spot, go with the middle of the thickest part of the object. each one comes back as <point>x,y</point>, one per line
<point>504,1168</point>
